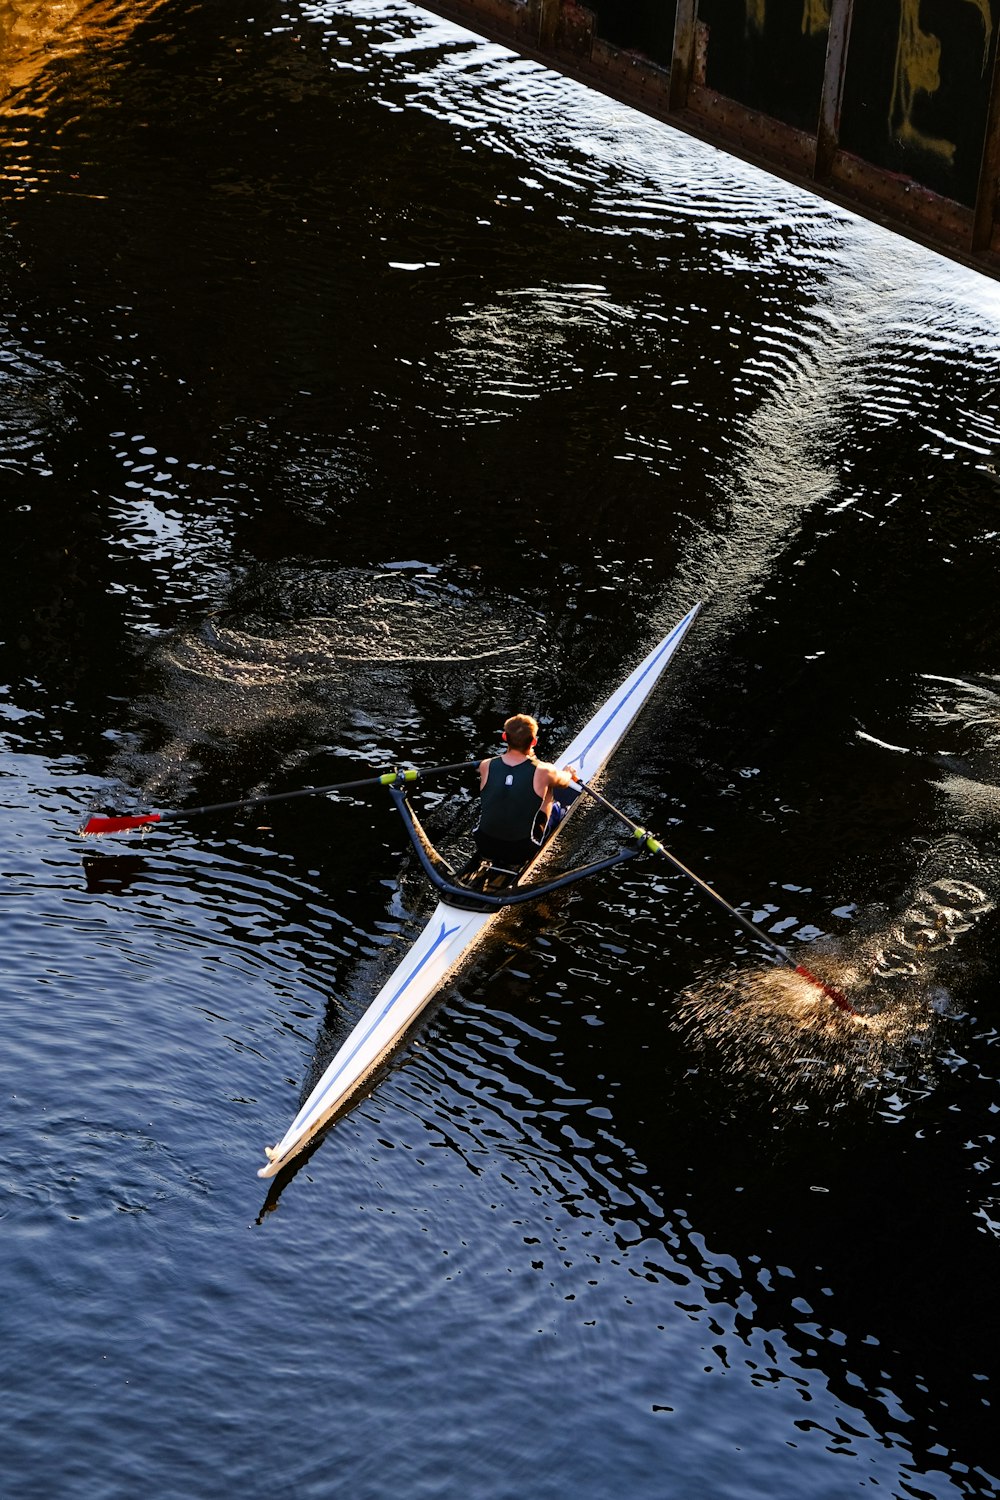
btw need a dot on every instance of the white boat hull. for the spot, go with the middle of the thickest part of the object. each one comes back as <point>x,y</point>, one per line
<point>451,934</point>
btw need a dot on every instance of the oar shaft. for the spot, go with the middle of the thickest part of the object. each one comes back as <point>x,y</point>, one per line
<point>388,778</point>
<point>98,824</point>
<point>655,846</point>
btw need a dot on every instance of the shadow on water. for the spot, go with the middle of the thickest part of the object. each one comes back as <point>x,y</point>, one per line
<point>840,1141</point>
<point>112,873</point>
<point>792,1177</point>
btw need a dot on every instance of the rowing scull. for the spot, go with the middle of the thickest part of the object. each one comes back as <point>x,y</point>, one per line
<point>452,933</point>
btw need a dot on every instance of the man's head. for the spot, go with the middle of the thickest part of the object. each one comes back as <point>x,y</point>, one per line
<point>520,732</point>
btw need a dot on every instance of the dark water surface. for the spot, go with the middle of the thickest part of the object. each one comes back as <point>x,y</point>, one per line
<point>360,382</point>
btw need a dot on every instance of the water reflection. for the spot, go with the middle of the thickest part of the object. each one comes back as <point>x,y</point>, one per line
<point>303,657</point>
<point>38,35</point>
<point>359,377</point>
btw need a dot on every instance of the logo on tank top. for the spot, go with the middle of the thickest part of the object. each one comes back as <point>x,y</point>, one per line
<point>508,781</point>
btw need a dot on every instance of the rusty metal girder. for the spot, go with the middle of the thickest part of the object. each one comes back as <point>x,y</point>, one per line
<point>860,101</point>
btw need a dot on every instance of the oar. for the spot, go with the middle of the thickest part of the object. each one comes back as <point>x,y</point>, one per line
<point>656,847</point>
<point>98,825</point>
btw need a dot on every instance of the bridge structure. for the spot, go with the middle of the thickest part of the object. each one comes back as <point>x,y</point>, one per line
<point>888,107</point>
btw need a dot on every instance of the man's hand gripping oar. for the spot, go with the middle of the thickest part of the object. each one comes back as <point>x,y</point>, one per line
<point>656,847</point>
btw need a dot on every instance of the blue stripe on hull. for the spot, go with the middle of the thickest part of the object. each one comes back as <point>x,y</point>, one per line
<point>314,1103</point>
<point>652,665</point>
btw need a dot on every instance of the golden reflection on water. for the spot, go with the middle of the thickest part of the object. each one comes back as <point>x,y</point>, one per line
<point>36,33</point>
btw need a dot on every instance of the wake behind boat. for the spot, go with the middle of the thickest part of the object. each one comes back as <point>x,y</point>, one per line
<point>462,918</point>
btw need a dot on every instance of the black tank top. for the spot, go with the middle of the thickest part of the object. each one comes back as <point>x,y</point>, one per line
<point>508,801</point>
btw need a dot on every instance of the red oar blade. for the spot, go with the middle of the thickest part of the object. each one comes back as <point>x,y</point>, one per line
<point>95,826</point>
<point>831,993</point>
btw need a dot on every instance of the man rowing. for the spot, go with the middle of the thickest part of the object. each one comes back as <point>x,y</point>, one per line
<point>516,797</point>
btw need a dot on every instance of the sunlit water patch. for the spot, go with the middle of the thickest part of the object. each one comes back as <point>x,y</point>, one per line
<point>524,346</point>
<point>404,613</point>
<point>302,655</point>
<point>966,710</point>
<point>39,32</point>
<point>976,804</point>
